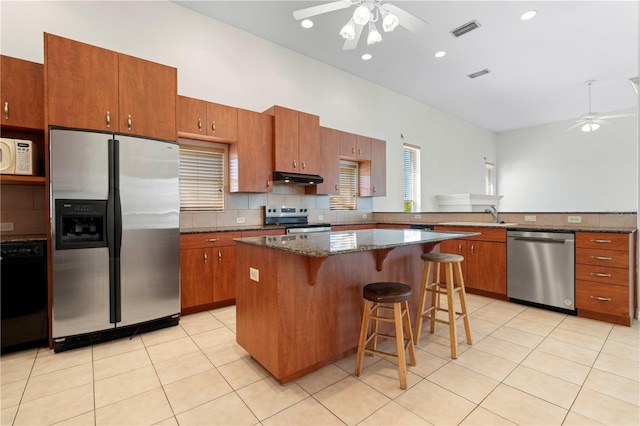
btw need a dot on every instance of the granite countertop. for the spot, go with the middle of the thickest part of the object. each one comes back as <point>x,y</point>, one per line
<point>22,238</point>
<point>325,244</point>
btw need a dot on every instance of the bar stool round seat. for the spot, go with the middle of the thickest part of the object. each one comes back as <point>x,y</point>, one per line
<point>454,284</point>
<point>380,298</point>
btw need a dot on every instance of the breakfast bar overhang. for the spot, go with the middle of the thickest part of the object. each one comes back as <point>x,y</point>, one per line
<point>299,297</point>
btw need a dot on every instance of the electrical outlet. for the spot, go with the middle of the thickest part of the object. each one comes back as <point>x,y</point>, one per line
<point>254,274</point>
<point>240,220</point>
<point>531,218</point>
<point>417,216</point>
<point>574,219</point>
<point>6,226</point>
<point>320,217</point>
<point>364,216</point>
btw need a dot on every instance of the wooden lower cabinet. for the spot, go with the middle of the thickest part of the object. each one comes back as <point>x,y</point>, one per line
<point>485,259</point>
<point>207,271</point>
<point>606,287</point>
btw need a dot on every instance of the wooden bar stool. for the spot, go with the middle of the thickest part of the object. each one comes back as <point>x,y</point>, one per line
<point>450,287</point>
<point>376,296</point>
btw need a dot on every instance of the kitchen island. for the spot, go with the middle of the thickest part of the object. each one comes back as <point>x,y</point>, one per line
<point>299,297</point>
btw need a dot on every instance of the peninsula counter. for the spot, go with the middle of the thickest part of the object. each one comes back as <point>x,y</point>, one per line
<point>299,297</point>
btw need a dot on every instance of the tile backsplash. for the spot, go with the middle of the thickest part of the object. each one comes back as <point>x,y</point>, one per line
<point>25,207</point>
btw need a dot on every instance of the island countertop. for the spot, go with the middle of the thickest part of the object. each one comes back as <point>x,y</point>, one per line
<point>324,244</point>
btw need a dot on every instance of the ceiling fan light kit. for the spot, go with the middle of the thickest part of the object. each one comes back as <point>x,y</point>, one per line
<point>374,36</point>
<point>348,32</point>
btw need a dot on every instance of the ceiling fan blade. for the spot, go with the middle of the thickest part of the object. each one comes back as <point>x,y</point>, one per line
<point>352,44</point>
<point>628,114</point>
<point>321,8</point>
<point>407,20</point>
<point>578,124</point>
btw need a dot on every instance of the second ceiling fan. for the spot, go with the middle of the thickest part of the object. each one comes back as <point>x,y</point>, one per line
<point>367,13</point>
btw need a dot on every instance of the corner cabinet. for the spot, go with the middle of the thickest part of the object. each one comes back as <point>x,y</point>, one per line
<point>207,271</point>
<point>605,276</point>
<point>250,157</point>
<point>88,87</point>
<point>295,136</point>
<point>198,119</point>
<point>485,259</point>
<point>329,162</point>
<point>373,173</point>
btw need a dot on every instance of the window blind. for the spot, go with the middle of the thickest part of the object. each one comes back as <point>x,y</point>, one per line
<point>411,178</point>
<point>348,188</point>
<point>201,179</point>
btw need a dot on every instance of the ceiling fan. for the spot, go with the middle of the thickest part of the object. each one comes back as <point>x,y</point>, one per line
<point>367,12</point>
<point>591,121</point>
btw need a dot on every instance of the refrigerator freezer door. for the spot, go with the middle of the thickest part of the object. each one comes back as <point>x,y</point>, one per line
<point>150,251</point>
<point>79,170</point>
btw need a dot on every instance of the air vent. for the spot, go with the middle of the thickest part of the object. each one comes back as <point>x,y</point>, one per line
<point>469,26</point>
<point>479,73</point>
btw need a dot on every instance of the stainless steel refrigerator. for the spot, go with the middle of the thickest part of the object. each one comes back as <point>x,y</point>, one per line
<point>115,236</point>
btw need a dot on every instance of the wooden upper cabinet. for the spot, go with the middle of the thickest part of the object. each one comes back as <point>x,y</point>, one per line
<point>355,147</point>
<point>22,93</point>
<point>147,98</point>
<point>363,147</point>
<point>329,155</point>
<point>250,158</point>
<point>222,121</point>
<point>88,87</point>
<point>191,116</point>
<point>295,140</point>
<point>81,84</point>
<point>378,167</point>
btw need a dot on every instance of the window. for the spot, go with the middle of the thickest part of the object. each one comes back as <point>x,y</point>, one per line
<point>490,179</point>
<point>201,178</point>
<point>411,178</point>
<point>348,187</point>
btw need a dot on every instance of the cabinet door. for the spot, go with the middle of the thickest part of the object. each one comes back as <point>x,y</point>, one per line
<point>222,122</point>
<point>250,158</point>
<point>455,247</point>
<point>378,168</point>
<point>224,280</point>
<point>22,93</point>
<point>191,115</point>
<point>308,139</point>
<point>147,98</point>
<point>329,161</point>
<point>486,266</point>
<point>81,85</point>
<point>285,153</point>
<point>348,143</point>
<point>196,277</point>
<point>363,146</point>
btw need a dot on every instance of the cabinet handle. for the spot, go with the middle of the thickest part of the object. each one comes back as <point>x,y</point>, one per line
<point>304,165</point>
<point>268,183</point>
<point>199,124</point>
<point>374,189</point>
<point>460,248</point>
<point>601,241</point>
<point>219,256</point>
<point>213,126</point>
<point>205,258</point>
<point>295,164</point>
<point>600,257</point>
<point>129,121</point>
<point>472,248</point>
<point>336,186</point>
<point>599,274</point>
<point>359,152</point>
<point>6,110</point>
<point>604,299</point>
<point>353,150</point>
<point>211,240</point>
<point>108,119</point>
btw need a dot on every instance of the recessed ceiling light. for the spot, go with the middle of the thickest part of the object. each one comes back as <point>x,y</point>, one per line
<point>440,54</point>
<point>307,23</point>
<point>366,56</point>
<point>528,15</point>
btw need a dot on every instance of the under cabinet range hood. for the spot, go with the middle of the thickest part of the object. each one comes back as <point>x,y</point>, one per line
<point>296,178</point>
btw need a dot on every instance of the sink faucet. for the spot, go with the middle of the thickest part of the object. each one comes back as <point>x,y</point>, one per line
<point>494,212</point>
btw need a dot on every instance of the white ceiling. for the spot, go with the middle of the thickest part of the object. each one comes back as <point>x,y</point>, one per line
<point>538,67</point>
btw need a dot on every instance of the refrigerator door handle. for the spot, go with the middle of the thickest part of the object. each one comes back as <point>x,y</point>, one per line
<point>114,231</point>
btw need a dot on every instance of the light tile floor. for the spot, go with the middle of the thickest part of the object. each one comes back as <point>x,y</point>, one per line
<point>526,366</point>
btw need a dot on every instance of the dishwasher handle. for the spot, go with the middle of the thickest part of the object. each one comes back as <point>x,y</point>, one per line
<point>541,240</point>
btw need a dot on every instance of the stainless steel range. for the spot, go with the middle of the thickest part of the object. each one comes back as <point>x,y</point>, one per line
<point>295,219</point>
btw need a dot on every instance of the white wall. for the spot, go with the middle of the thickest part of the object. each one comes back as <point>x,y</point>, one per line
<point>550,169</point>
<point>222,64</point>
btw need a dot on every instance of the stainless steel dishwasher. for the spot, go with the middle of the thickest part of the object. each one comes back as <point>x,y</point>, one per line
<point>541,269</point>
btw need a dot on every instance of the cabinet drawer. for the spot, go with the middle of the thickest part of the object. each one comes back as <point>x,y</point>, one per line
<point>602,257</point>
<point>602,240</point>
<point>262,233</point>
<point>612,300</point>
<point>487,234</point>
<point>602,274</point>
<point>217,239</point>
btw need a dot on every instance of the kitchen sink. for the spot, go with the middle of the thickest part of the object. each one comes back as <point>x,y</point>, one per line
<point>486,224</point>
